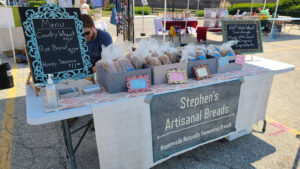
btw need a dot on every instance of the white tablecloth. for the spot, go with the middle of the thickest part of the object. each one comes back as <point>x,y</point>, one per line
<point>123,127</point>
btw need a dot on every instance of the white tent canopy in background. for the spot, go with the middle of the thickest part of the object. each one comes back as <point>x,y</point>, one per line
<point>165,16</point>
<point>7,21</point>
<point>274,15</point>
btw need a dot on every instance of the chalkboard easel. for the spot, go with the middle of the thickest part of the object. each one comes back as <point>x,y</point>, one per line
<point>29,79</point>
<point>246,32</point>
<point>55,44</point>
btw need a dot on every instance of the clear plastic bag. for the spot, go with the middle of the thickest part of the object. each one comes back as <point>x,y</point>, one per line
<point>125,65</point>
<point>188,53</point>
<point>107,65</point>
<point>226,48</point>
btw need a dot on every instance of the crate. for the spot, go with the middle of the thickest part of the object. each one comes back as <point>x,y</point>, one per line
<point>210,61</point>
<point>159,73</point>
<point>116,82</point>
<point>229,67</point>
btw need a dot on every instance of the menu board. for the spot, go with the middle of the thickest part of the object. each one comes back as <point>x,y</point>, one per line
<point>55,43</point>
<point>247,32</point>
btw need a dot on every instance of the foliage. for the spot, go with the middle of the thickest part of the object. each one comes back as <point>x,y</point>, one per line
<point>247,7</point>
<point>200,13</point>
<point>285,7</point>
<point>139,10</point>
<point>36,3</point>
<point>111,6</point>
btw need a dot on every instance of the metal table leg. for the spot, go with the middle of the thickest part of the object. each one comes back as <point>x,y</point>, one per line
<point>264,126</point>
<point>68,139</point>
<point>68,142</point>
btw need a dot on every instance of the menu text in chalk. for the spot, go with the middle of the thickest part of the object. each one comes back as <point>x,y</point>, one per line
<point>246,32</point>
<point>55,43</point>
<point>58,44</point>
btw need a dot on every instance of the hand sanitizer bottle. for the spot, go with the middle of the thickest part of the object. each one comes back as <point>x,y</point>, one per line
<point>51,92</point>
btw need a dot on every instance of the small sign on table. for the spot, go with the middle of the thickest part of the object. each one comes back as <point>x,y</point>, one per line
<point>240,59</point>
<point>177,76</point>
<point>223,61</point>
<point>138,83</point>
<point>202,72</point>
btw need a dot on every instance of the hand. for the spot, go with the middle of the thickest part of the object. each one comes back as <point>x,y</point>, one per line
<point>94,69</point>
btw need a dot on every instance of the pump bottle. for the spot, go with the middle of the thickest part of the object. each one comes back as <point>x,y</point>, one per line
<point>51,92</point>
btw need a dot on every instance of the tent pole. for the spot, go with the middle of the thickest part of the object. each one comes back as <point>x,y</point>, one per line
<point>265,4</point>
<point>186,19</point>
<point>273,22</point>
<point>224,3</point>
<point>165,20</point>
<point>251,7</point>
<point>198,7</point>
<point>133,13</point>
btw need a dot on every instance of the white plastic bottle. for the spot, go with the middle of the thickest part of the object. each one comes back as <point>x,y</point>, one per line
<point>51,92</point>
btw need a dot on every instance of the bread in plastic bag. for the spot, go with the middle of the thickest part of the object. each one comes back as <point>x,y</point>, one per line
<point>137,61</point>
<point>226,48</point>
<point>173,56</point>
<point>117,66</point>
<point>153,61</point>
<point>200,54</point>
<point>125,64</point>
<point>164,59</point>
<point>188,53</point>
<point>107,65</point>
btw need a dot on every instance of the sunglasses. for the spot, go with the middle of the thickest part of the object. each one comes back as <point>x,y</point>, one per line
<point>87,33</point>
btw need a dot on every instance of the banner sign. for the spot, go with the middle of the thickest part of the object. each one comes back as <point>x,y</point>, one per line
<point>144,2</point>
<point>183,119</point>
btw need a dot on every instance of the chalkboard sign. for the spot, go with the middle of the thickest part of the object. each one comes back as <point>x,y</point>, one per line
<point>55,43</point>
<point>247,32</point>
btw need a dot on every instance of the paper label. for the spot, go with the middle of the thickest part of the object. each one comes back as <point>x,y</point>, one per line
<point>240,59</point>
<point>230,54</point>
<point>131,69</point>
<point>8,73</point>
<point>217,55</point>
<point>201,57</point>
<point>223,61</point>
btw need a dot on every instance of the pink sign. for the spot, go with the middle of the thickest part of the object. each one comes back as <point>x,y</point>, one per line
<point>177,76</point>
<point>240,59</point>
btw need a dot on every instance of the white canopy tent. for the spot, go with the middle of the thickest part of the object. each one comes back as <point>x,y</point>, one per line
<point>274,16</point>
<point>165,16</point>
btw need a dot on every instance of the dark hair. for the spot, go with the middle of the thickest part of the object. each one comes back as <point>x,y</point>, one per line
<point>87,21</point>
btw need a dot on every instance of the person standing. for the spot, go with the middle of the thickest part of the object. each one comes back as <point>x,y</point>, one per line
<point>84,7</point>
<point>263,12</point>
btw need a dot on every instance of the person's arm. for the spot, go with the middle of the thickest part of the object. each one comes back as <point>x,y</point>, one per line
<point>106,40</point>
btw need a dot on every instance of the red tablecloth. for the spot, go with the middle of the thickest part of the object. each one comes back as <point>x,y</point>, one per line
<point>181,24</point>
<point>201,33</point>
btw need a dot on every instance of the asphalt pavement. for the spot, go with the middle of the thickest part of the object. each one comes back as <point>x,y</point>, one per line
<point>24,146</point>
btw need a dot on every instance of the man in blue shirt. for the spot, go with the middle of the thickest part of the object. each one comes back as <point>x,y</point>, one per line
<point>96,38</point>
